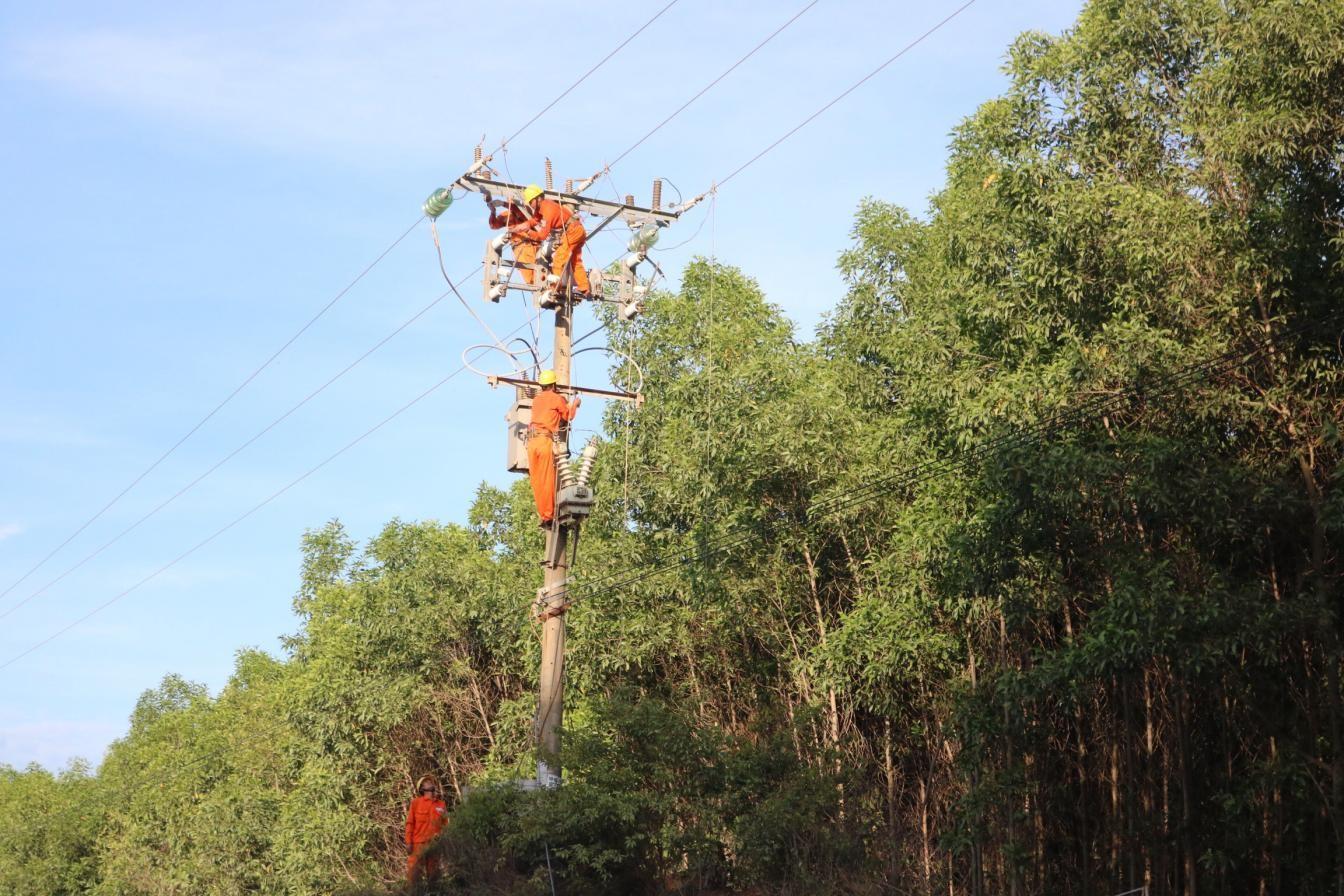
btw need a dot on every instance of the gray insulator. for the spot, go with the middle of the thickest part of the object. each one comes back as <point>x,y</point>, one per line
<point>564,471</point>
<point>586,462</point>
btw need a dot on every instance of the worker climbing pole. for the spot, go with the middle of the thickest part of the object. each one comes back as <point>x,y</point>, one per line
<point>544,229</point>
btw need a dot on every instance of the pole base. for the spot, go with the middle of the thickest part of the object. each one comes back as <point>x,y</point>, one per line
<point>548,778</point>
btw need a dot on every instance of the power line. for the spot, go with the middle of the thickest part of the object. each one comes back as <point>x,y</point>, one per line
<point>904,478</point>
<point>220,531</point>
<point>603,61</point>
<point>215,410</point>
<point>297,334</point>
<point>912,44</point>
<point>234,453</point>
<point>726,72</point>
<point>855,86</point>
<point>264,502</point>
<point>424,310</point>
<point>453,290</point>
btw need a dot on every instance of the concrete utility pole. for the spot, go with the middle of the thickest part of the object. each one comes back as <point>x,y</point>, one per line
<point>574,498</point>
<point>555,600</point>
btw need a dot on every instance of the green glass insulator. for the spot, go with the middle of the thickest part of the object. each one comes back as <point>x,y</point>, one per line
<point>438,202</point>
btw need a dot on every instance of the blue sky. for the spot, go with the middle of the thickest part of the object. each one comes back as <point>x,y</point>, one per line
<point>187,184</point>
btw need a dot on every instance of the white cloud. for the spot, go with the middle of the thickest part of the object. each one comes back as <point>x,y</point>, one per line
<point>9,530</point>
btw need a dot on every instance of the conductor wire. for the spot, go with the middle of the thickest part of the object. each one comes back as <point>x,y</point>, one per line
<point>234,453</point>
<point>725,73</point>
<point>138,479</point>
<point>603,61</point>
<point>611,351</point>
<point>220,531</point>
<point>853,87</point>
<point>215,410</point>
<point>453,286</point>
<point>488,347</point>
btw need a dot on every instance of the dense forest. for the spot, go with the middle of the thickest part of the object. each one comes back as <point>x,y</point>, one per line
<point>1022,575</point>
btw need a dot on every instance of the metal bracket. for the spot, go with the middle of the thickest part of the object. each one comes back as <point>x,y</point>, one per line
<point>636,397</point>
<point>555,545</point>
<point>496,284</point>
<point>629,292</point>
<point>491,265</point>
<point>632,214</point>
<point>551,603</point>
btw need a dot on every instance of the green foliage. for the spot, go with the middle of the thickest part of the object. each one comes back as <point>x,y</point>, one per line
<point>48,826</point>
<point>650,799</point>
<point>1069,664</point>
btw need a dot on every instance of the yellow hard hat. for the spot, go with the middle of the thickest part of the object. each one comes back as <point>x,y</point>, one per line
<point>532,191</point>
<point>547,378</point>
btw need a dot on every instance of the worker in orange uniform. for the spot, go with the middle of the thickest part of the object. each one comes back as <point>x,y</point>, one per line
<point>424,820</point>
<point>550,412</point>
<point>549,216</point>
<point>510,214</point>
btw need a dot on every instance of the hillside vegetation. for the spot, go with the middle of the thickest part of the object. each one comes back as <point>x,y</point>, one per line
<point>864,613</point>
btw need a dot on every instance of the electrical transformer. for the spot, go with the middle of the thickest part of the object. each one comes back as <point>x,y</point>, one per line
<point>518,419</point>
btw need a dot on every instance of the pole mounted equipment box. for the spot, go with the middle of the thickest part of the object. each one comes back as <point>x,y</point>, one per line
<point>573,504</point>
<point>518,419</point>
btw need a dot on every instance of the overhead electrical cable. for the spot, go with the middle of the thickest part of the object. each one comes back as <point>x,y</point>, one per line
<point>725,73</point>
<point>164,456</point>
<point>853,87</point>
<point>254,509</point>
<point>466,306</point>
<point>504,144</point>
<point>904,478</point>
<point>138,479</point>
<point>603,61</point>
<point>225,528</point>
<point>232,454</point>
<point>213,411</point>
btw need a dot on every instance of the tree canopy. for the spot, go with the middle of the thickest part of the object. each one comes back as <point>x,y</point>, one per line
<point>1022,575</point>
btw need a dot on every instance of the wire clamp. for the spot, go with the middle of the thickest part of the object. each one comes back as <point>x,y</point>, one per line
<point>551,602</point>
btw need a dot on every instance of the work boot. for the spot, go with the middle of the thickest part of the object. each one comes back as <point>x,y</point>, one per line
<point>546,524</point>
<point>547,300</point>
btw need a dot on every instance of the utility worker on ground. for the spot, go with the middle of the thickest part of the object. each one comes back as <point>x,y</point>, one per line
<point>424,820</point>
<point>550,412</point>
<point>549,216</point>
<point>510,214</point>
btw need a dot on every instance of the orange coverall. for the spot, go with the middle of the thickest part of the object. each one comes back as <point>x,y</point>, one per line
<point>424,820</point>
<point>549,411</point>
<point>552,216</point>
<point>524,250</point>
